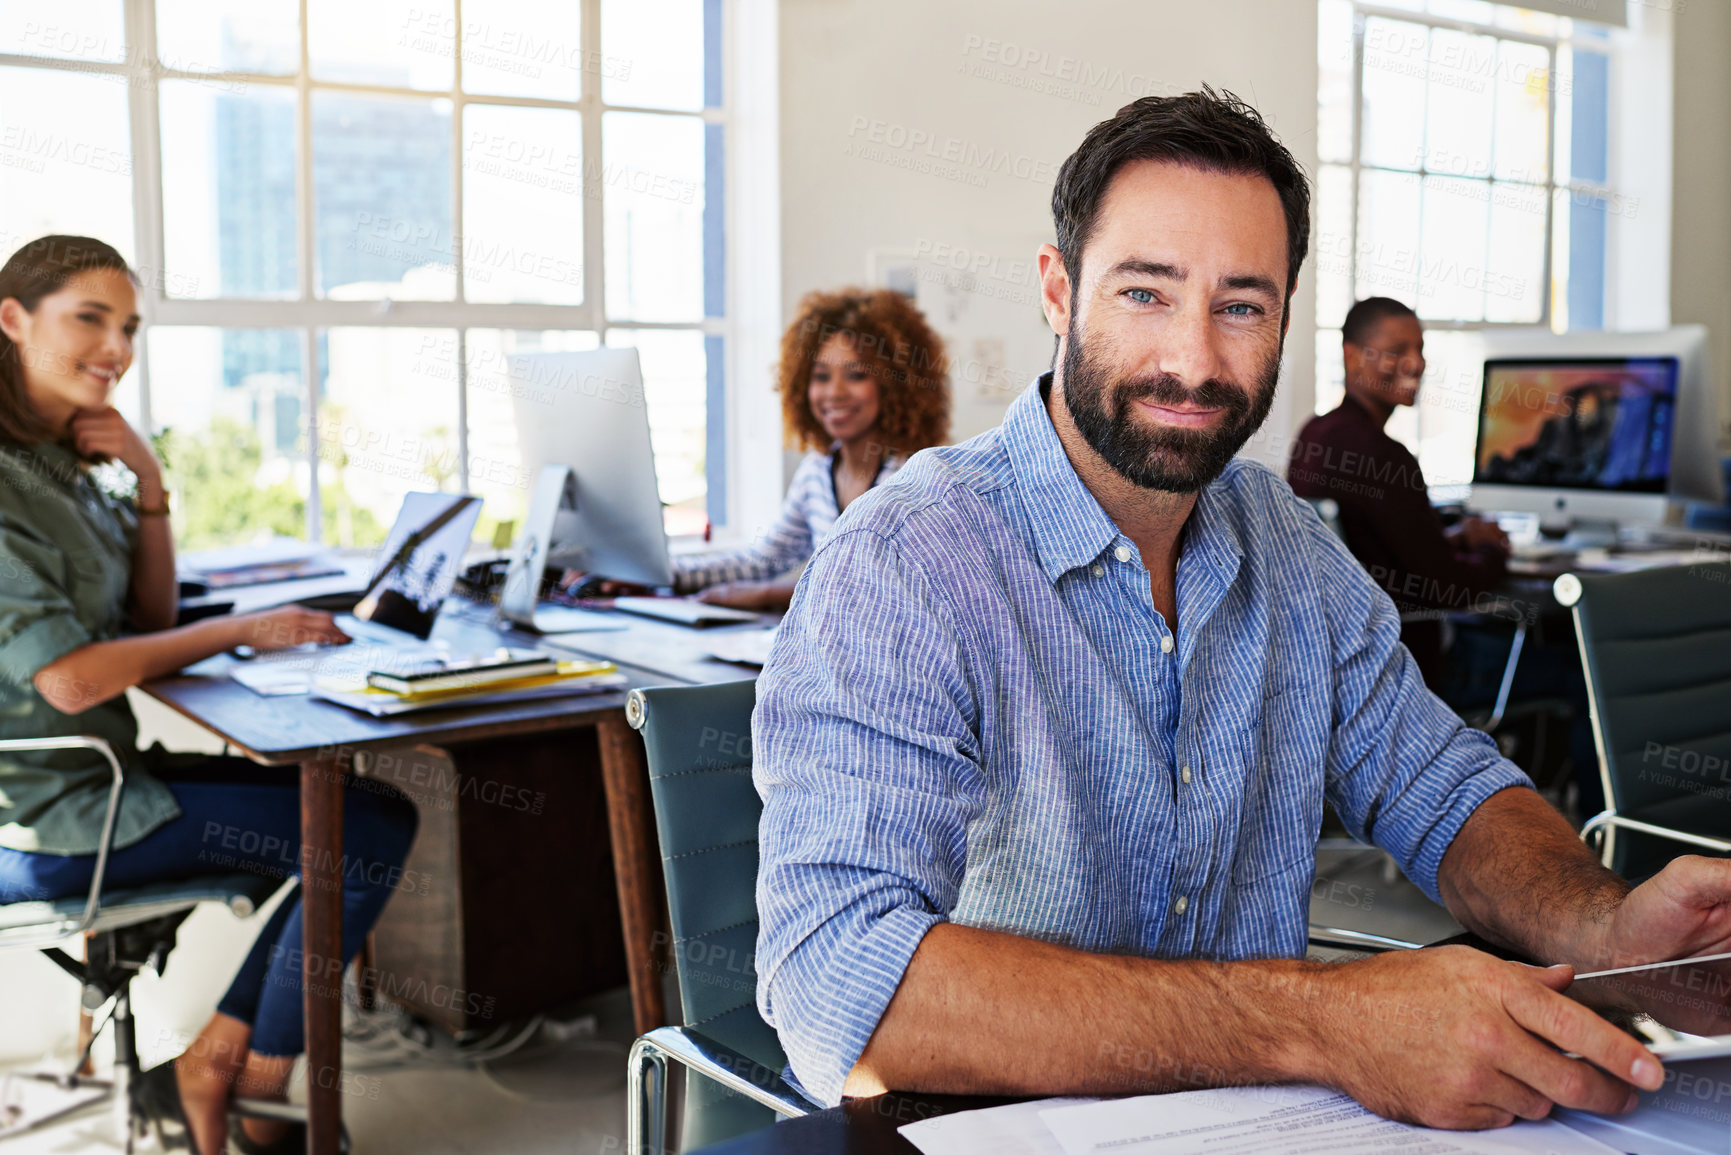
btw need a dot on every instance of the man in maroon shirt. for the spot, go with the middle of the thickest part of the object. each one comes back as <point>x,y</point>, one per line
<point>1385,511</point>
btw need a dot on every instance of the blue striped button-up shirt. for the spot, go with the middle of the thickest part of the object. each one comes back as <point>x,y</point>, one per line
<point>973,712</point>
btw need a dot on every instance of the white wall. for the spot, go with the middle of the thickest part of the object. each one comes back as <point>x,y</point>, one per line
<point>914,129</point>
<point>1701,190</point>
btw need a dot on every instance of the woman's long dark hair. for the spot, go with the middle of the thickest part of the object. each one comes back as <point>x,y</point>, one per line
<point>41,267</point>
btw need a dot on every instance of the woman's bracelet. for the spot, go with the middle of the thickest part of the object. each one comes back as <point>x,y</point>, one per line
<point>156,511</point>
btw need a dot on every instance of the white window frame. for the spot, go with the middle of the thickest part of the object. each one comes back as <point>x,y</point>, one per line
<point>750,228</point>
<point>1552,44</point>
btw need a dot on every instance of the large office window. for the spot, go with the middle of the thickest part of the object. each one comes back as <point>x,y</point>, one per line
<point>1463,148</point>
<point>348,214</point>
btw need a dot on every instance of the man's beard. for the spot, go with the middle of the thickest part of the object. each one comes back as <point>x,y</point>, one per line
<point>1170,459</point>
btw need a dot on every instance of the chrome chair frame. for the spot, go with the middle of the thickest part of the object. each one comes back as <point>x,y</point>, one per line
<point>59,930</point>
<point>45,937</point>
<point>646,1082</point>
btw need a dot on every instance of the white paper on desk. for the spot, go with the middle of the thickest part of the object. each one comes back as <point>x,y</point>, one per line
<point>1301,1120</point>
<point>1014,1129</point>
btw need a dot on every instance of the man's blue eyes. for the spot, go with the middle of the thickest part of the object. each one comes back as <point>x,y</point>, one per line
<point>1236,309</point>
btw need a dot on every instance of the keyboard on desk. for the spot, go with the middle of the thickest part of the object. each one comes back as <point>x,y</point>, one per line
<point>685,611</point>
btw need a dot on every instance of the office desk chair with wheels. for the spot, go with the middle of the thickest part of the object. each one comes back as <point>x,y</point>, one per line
<point>1656,645</point>
<point>131,930</point>
<point>698,742</point>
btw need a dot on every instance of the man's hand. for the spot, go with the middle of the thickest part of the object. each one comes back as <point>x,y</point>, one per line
<point>1683,911</point>
<point>105,433</point>
<point>1452,1037</point>
<point>1477,534</point>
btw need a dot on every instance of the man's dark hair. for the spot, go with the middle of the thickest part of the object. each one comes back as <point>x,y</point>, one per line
<point>1213,131</point>
<point>1363,318</point>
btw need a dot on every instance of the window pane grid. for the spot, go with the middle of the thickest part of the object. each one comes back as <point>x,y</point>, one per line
<point>1401,55</point>
<point>306,403</point>
<point>1493,219</point>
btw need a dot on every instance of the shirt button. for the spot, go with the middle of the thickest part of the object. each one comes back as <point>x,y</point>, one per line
<point>1122,553</point>
<point>1166,644</point>
<point>1098,570</point>
<point>1185,774</point>
<point>1182,905</point>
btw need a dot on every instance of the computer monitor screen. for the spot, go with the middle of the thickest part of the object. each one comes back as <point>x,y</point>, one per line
<point>1604,424</point>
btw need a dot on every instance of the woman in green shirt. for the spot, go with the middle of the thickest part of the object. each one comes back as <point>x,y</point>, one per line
<point>87,609</point>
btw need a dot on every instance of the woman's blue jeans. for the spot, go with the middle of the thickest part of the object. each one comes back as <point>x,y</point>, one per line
<point>238,816</point>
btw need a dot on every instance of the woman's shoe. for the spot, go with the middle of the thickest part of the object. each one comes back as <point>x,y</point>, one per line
<point>158,1097</point>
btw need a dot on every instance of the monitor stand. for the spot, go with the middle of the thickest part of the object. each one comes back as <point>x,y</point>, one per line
<point>519,600</point>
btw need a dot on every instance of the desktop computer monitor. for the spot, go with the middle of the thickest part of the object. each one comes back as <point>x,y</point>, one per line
<point>586,410</point>
<point>1597,427</point>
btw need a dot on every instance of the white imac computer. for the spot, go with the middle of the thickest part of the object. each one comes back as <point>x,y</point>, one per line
<point>1597,429</point>
<point>586,410</point>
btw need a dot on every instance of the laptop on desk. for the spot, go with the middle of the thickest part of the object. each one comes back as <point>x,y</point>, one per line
<point>394,616</point>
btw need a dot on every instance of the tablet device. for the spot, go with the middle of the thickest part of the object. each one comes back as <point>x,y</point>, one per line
<point>1682,1009</point>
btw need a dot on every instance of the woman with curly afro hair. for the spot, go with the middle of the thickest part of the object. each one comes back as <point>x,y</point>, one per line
<point>864,386</point>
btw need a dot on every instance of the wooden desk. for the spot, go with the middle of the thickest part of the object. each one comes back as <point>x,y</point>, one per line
<point>323,739</point>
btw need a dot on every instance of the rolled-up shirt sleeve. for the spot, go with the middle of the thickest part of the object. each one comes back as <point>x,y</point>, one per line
<point>38,621</point>
<point>1404,772</point>
<point>868,764</point>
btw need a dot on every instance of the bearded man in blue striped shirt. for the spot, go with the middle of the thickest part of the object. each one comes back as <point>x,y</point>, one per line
<point>1045,738</point>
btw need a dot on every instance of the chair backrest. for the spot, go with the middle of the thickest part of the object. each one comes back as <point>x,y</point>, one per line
<point>1656,645</point>
<point>698,741</point>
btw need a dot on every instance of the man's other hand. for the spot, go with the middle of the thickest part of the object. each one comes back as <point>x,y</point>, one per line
<point>1681,912</point>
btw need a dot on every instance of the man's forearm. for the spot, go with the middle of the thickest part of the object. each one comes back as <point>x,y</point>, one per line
<point>1516,874</point>
<point>985,1012</point>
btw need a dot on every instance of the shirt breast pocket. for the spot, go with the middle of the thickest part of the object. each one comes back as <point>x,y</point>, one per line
<point>1284,760</point>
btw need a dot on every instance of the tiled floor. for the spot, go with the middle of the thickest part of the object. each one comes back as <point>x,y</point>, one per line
<point>554,1095</point>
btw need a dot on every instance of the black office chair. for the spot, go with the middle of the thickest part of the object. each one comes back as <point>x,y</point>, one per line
<point>131,930</point>
<point>698,745</point>
<point>1656,645</point>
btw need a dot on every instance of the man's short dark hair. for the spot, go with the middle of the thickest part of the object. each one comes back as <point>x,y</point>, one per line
<point>1213,131</point>
<point>1363,318</point>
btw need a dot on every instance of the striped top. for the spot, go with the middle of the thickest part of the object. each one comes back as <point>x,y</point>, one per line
<point>973,712</point>
<point>807,516</point>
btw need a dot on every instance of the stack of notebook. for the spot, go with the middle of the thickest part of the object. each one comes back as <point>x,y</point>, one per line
<point>508,676</point>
